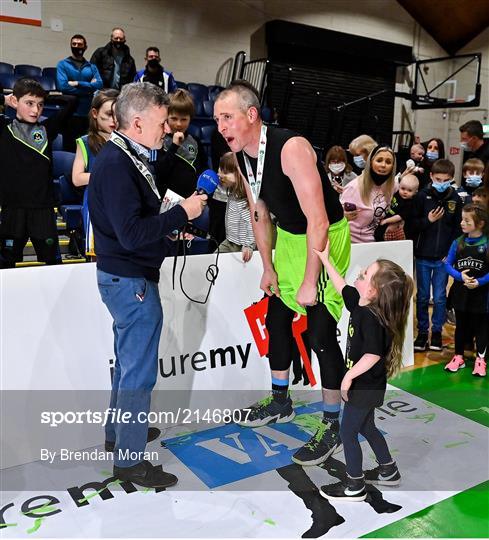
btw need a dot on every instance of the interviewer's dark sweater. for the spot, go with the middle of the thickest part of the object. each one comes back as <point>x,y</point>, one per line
<point>130,233</point>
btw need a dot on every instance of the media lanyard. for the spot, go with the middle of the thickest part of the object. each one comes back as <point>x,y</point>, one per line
<point>117,139</point>
<point>255,183</point>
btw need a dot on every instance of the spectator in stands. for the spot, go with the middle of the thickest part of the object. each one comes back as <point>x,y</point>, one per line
<point>131,239</point>
<point>101,124</point>
<point>437,217</point>
<point>481,197</point>
<point>77,77</point>
<point>239,230</point>
<point>472,172</point>
<point>155,73</point>
<point>400,211</point>
<point>414,165</point>
<point>182,157</point>
<point>360,148</point>
<point>472,140</point>
<point>26,183</point>
<point>338,169</point>
<point>366,199</point>
<point>114,61</point>
<point>435,149</point>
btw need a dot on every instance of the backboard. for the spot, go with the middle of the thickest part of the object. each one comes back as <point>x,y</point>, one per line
<point>447,82</point>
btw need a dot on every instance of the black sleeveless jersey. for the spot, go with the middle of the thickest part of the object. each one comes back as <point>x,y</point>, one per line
<point>277,190</point>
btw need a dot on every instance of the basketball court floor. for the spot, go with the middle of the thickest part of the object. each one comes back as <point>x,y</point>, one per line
<point>237,482</point>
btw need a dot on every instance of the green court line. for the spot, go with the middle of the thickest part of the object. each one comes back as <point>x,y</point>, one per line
<point>462,516</point>
<point>460,392</point>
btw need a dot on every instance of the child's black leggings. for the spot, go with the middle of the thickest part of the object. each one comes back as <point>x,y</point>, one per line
<point>468,325</point>
<point>355,421</point>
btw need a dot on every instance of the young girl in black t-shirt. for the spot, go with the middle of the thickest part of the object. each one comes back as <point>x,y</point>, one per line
<point>379,306</point>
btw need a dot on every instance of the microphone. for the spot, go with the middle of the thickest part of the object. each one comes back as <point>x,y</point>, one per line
<point>207,183</point>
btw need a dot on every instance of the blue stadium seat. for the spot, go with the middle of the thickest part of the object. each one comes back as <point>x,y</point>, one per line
<point>58,143</point>
<point>26,70</point>
<point>208,107</point>
<point>70,206</point>
<point>49,72</point>
<point>7,80</point>
<point>200,92</point>
<point>6,68</point>
<point>206,134</point>
<point>199,108</point>
<point>214,91</point>
<point>194,130</point>
<point>63,164</point>
<point>181,84</point>
<point>48,83</point>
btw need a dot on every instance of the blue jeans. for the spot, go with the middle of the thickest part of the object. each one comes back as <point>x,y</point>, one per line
<point>431,273</point>
<point>135,307</point>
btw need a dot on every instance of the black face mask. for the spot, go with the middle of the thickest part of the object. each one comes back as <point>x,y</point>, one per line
<point>153,65</point>
<point>379,179</point>
<point>77,52</point>
<point>117,44</point>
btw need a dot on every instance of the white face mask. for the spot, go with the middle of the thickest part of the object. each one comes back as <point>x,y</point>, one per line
<point>337,168</point>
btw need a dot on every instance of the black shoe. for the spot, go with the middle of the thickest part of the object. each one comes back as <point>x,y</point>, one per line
<point>435,342</point>
<point>421,342</point>
<point>352,489</point>
<point>153,433</point>
<point>384,475</point>
<point>320,446</point>
<point>145,474</point>
<point>266,411</point>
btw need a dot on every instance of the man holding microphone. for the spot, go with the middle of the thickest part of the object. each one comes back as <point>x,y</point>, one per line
<point>131,239</point>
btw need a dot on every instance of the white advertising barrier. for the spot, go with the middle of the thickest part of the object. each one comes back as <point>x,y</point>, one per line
<point>56,333</point>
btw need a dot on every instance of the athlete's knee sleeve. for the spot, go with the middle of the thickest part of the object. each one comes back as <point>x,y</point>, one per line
<point>279,326</point>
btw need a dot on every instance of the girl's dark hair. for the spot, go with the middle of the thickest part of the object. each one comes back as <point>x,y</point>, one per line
<point>391,306</point>
<point>337,153</point>
<point>231,177</point>
<point>480,216</point>
<point>95,140</point>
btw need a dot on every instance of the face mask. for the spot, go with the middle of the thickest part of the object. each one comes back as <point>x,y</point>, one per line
<point>465,146</point>
<point>337,168</point>
<point>441,186</point>
<point>117,44</point>
<point>359,162</point>
<point>474,180</point>
<point>77,52</point>
<point>432,156</point>
<point>379,179</point>
<point>153,64</point>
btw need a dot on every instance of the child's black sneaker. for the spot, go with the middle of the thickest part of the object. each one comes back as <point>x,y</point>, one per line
<point>320,446</point>
<point>435,342</point>
<point>351,489</point>
<point>384,475</point>
<point>266,411</point>
<point>421,342</point>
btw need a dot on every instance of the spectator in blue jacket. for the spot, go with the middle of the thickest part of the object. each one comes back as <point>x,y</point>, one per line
<point>155,73</point>
<point>77,77</point>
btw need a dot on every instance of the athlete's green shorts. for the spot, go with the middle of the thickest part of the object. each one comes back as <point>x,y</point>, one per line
<point>290,265</point>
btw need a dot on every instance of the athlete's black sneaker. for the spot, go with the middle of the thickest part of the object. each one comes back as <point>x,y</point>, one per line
<point>384,475</point>
<point>421,342</point>
<point>351,489</point>
<point>266,411</point>
<point>320,446</point>
<point>436,343</point>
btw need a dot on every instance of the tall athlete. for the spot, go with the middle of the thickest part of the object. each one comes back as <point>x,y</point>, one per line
<point>284,178</point>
